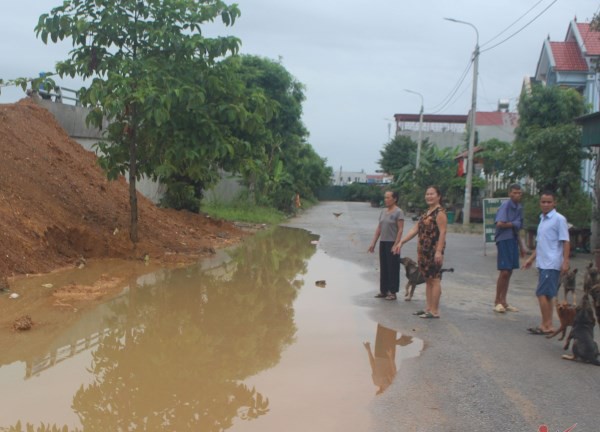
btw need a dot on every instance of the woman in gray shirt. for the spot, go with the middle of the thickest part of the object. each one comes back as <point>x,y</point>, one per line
<point>391,224</point>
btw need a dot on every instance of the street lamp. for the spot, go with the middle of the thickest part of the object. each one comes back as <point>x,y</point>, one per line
<point>420,127</point>
<point>469,182</point>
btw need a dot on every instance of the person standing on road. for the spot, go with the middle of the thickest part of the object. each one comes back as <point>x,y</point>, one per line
<point>551,257</point>
<point>509,221</point>
<point>431,229</point>
<point>391,224</point>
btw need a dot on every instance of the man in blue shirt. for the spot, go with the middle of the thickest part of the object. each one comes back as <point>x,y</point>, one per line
<point>551,257</point>
<point>509,220</point>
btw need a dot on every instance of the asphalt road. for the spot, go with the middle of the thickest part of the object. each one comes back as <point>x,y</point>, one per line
<point>479,371</point>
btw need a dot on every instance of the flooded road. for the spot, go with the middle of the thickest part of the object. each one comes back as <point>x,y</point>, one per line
<point>246,342</point>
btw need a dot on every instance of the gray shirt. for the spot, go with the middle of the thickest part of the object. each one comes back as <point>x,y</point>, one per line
<point>388,224</point>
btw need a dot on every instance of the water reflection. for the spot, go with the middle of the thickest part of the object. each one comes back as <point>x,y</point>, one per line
<point>383,358</point>
<point>172,352</point>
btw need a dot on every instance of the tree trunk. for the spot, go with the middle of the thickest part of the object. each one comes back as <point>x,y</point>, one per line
<point>133,228</point>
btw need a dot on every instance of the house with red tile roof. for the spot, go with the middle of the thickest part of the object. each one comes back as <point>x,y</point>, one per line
<point>448,130</point>
<point>572,62</point>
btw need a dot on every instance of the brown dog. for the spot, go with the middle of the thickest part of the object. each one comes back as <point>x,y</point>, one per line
<point>566,315</point>
<point>414,276</point>
<point>582,335</point>
<point>569,282</point>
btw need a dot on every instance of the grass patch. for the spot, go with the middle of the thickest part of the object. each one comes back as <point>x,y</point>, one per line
<point>246,213</point>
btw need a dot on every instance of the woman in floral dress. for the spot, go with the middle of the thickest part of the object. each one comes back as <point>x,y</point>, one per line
<point>431,231</point>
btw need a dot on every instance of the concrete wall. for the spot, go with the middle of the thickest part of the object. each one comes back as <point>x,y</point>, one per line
<point>72,119</point>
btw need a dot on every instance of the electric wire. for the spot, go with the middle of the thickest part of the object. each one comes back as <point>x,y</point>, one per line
<point>521,29</point>
<point>446,101</point>
<point>511,25</point>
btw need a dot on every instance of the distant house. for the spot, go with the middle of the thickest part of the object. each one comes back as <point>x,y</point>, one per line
<point>343,178</point>
<point>443,130</point>
<point>449,130</point>
<point>572,63</point>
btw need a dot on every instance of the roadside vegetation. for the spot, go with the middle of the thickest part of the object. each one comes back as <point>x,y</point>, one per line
<point>183,107</point>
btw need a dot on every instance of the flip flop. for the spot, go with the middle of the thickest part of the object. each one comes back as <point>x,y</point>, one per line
<point>381,295</point>
<point>420,312</point>
<point>538,331</point>
<point>428,315</point>
<point>391,297</point>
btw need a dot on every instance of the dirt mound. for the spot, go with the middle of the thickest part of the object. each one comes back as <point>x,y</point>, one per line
<point>57,206</point>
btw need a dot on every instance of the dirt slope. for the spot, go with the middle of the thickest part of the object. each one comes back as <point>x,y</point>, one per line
<point>56,204</point>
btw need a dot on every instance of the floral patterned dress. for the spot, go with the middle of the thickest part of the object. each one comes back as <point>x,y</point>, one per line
<point>429,235</point>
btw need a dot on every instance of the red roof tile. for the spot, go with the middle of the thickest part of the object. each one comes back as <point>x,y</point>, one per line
<point>496,118</point>
<point>568,56</point>
<point>432,118</point>
<point>591,39</point>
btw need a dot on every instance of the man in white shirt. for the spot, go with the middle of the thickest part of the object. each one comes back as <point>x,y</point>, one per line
<point>551,257</point>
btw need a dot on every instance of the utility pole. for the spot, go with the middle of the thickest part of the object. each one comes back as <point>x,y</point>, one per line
<point>472,124</point>
<point>420,143</point>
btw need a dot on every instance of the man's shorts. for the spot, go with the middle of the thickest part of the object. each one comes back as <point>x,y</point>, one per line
<point>508,254</point>
<point>548,282</point>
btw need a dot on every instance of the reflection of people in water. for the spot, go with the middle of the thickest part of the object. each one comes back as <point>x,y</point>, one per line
<point>383,359</point>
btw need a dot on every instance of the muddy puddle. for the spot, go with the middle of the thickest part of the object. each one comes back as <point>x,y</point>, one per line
<point>265,337</point>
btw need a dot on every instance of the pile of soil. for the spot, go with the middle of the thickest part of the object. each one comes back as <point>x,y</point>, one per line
<point>56,205</point>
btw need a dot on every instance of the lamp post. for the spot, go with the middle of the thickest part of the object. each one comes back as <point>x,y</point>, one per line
<point>419,144</point>
<point>469,182</point>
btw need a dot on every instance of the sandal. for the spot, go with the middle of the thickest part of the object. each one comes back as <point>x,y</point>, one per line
<point>428,315</point>
<point>538,331</point>
<point>391,297</point>
<point>420,312</point>
<point>381,295</point>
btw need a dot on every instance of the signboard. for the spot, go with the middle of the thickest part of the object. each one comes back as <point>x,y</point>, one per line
<point>490,208</point>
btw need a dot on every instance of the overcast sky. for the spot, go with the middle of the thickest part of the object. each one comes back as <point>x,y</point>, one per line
<point>357,57</point>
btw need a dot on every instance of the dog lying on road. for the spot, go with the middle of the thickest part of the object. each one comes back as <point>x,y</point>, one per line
<point>566,315</point>
<point>582,334</point>
<point>414,276</point>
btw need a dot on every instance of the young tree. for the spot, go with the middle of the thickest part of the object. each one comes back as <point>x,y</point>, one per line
<point>145,58</point>
<point>399,155</point>
<point>547,145</point>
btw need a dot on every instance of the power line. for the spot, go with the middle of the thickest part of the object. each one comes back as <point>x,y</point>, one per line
<point>521,29</point>
<point>513,23</point>
<point>446,101</point>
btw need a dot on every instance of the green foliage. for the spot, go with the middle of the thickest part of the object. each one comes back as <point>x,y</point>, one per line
<point>577,208</point>
<point>437,167</point>
<point>495,155</point>
<point>547,146</point>
<point>399,154</point>
<point>360,192</point>
<point>152,73</point>
<point>244,212</point>
<point>277,163</point>
<point>182,195</point>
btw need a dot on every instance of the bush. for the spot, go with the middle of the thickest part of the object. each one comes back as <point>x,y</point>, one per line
<point>577,208</point>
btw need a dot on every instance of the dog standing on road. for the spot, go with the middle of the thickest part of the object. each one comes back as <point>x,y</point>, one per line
<point>414,276</point>
<point>566,315</point>
<point>569,283</point>
<point>591,278</point>
<point>582,334</point>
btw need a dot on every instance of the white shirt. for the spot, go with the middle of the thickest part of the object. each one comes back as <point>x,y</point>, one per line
<point>551,233</point>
